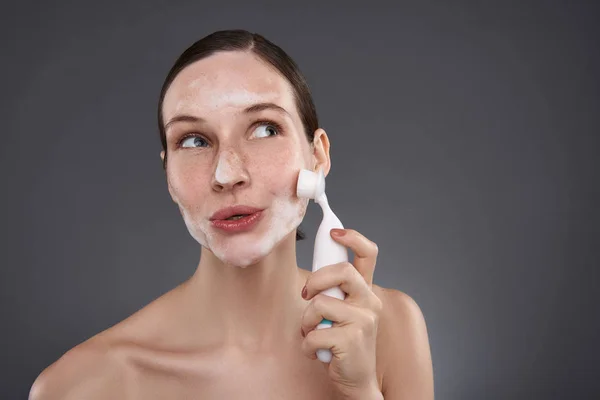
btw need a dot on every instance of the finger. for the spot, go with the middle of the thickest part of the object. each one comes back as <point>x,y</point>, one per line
<point>340,312</point>
<point>330,338</point>
<point>344,275</point>
<point>341,341</point>
<point>365,251</point>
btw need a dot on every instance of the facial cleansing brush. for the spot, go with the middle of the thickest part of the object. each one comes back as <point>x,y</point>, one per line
<point>311,185</point>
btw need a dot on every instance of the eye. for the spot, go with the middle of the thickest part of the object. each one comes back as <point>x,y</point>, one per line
<point>271,128</point>
<point>192,140</point>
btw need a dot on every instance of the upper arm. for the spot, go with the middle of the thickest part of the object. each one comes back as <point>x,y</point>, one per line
<point>408,371</point>
<point>85,372</point>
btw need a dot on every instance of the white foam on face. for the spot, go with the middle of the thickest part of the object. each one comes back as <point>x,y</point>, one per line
<point>218,93</point>
<point>221,98</point>
<point>228,162</point>
<point>284,215</point>
<point>196,229</point>
<point>243,249</point>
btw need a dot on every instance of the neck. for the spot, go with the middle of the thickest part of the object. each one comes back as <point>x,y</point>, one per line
<point>256,307</point>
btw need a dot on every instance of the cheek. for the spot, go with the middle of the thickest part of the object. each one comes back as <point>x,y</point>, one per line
<point>279,169</point>
<point>188,183</point>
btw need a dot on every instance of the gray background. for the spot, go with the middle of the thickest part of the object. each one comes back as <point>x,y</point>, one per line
<point>464,141</point>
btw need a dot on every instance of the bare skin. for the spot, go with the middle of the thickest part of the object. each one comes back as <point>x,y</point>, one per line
<point>153,355</point>
<point>233,330</point>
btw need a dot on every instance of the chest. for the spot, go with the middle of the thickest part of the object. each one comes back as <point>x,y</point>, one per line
<point>218,379</point>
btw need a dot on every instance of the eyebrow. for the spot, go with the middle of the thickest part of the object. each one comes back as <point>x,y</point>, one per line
<point>254,108</point>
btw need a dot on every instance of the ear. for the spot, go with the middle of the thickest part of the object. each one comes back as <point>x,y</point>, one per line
<point>162,157</point>
<point>321,151</point>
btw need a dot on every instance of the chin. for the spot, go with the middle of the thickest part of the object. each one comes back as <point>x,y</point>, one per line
<point>241,257</point>
<point>243,250</point>
<point>246,251</point>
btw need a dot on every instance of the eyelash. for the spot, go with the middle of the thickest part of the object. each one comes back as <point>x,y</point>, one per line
<point>254,124</point>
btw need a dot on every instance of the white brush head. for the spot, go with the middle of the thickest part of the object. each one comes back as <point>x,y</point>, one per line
<point>310,184</point>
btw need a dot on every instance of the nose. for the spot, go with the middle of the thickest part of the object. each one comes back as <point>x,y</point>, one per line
<point>230,172</point>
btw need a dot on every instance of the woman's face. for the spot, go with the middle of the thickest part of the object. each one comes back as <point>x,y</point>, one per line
<point>225,156</point>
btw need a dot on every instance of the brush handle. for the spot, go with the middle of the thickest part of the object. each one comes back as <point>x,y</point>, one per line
<point>328,252</point>
<point>324,355</point>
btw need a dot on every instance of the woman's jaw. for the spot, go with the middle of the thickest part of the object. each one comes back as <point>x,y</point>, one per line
<point>242,249</point>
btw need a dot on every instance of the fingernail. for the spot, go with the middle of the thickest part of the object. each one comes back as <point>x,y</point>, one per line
<point>304,292</point>
<point>338,232</point>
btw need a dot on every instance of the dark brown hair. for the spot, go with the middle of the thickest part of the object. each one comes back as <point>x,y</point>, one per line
<point>242,40</point>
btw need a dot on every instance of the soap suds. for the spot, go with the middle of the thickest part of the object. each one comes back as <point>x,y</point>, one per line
<point>228,162</point>
<point>219,98</point>
<point>284,215</point>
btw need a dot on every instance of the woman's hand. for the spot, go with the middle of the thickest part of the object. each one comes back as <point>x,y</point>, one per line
<point>352,338</point>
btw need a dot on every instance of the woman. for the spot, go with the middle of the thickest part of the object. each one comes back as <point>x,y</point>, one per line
<point>237,124</point>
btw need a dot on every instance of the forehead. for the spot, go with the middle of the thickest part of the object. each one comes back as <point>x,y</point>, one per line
<point>226,81</point>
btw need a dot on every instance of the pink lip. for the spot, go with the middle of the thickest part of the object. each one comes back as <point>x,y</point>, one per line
<point>240,225</point>
<point>227,212</point>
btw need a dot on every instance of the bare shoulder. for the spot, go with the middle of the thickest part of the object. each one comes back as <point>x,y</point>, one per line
<point>400,316</point>
<point>398,306</point>
<point>403,347</point>
<point>90,370</point>
<point>99,368</point>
